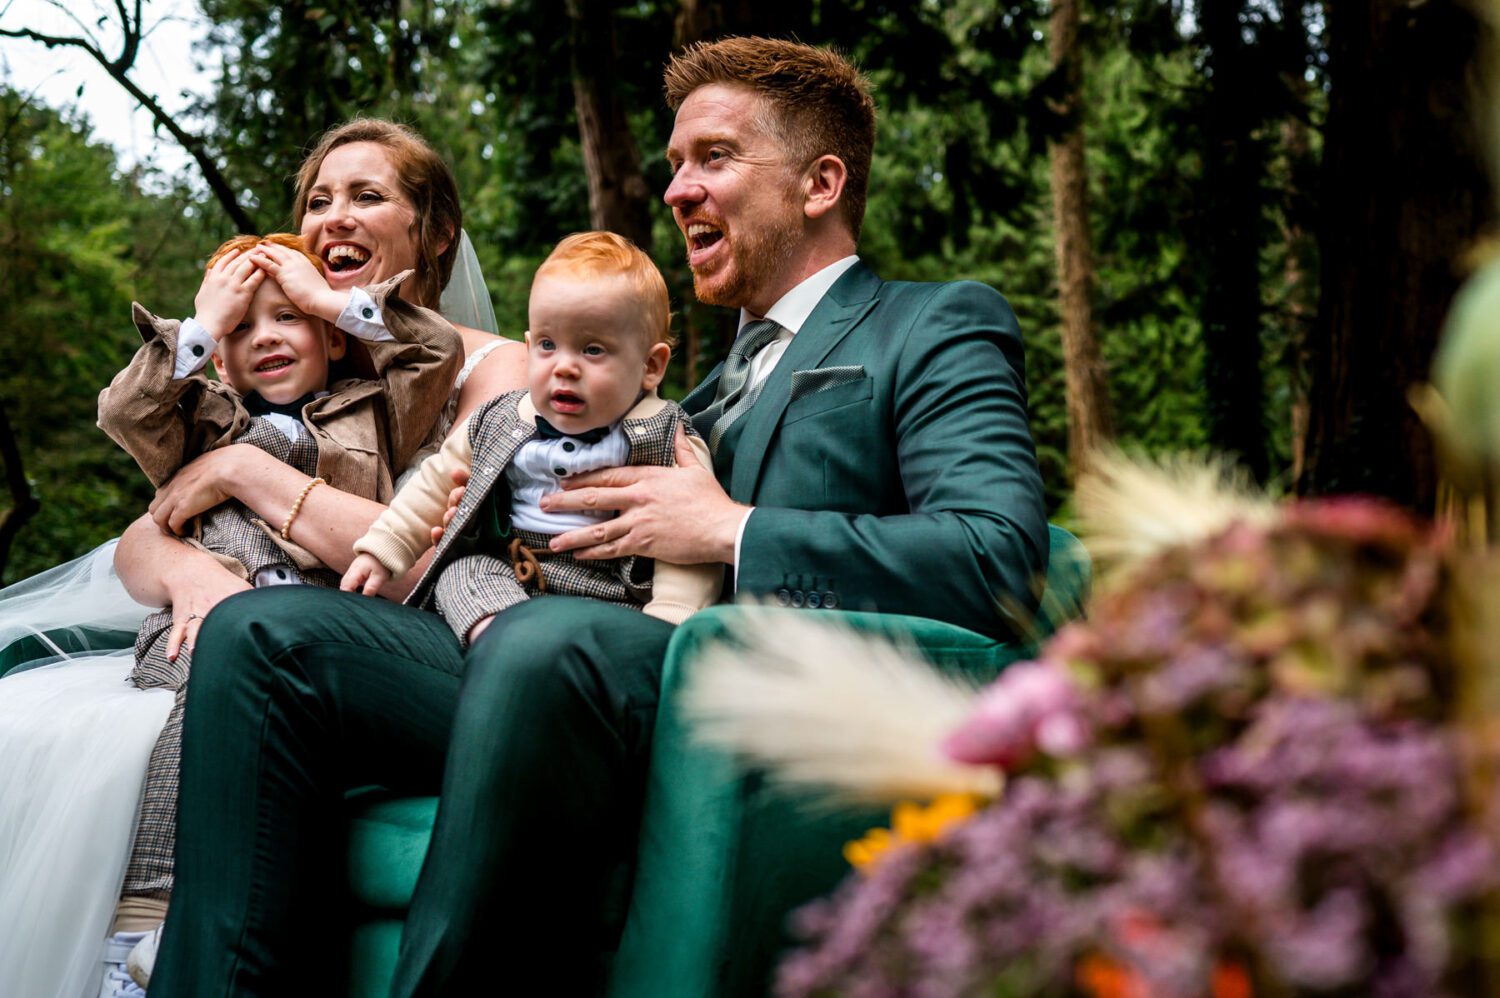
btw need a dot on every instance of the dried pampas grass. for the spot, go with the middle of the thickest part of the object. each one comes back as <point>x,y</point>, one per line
<point>1131,509</point>
<point>833,713</point>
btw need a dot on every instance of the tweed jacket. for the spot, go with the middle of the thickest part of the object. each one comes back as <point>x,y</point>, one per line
<point>486,444</point>
<point>365,427</point>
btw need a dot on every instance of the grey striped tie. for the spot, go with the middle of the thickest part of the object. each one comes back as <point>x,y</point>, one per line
<point>732,398</point>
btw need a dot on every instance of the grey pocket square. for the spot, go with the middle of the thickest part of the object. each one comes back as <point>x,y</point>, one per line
<point>805,383</point>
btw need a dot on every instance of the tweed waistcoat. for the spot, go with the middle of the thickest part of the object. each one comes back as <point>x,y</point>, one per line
<point>496,431</point>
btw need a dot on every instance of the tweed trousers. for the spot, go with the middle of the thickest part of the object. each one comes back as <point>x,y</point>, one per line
<point>477,585</point>
<point>230,530</point>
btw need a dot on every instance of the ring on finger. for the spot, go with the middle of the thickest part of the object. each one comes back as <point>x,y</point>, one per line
<point>195,616</point>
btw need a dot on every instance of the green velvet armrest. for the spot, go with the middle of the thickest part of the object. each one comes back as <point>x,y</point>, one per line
<point>722,859</point>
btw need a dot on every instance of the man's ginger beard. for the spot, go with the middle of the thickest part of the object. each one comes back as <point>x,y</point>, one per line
<point>760,252</point>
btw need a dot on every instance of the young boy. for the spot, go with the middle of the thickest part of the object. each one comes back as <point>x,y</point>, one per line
<point>274,357</point>
<point>596,350</point>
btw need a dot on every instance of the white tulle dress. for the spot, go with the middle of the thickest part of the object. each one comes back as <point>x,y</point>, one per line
<point>75,738</point>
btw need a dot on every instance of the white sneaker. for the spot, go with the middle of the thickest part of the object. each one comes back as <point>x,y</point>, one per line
<point>142,958</point>
<point>117,982</point>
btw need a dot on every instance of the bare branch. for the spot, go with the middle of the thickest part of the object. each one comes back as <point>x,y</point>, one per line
<point>119,69</point>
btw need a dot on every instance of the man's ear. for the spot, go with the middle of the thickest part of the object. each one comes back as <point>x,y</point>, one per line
<point>656,366</point>
<point>338,345</point>
<point>823,186</point>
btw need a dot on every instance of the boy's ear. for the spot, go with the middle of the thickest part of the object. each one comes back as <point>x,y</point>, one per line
<point>337,344</point>
<point>656,366</point>
<point>218,364</point>
<point>527,337</point>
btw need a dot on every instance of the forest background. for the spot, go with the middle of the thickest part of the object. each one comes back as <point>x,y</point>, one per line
<point>1228,225</point>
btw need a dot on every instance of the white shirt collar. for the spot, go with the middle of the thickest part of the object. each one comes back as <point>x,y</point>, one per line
<point>792,309</point>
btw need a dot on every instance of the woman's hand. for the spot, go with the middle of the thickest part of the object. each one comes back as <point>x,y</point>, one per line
<point>300,280</point>
<point>224,296</point>
<point>199,486</point>
<point>195,593</point>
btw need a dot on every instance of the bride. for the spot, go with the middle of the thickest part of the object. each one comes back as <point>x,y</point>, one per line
<point>77,743</point>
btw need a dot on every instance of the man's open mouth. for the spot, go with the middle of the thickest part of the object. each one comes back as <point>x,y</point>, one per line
<point>701,236</point>
<point>341,257</point>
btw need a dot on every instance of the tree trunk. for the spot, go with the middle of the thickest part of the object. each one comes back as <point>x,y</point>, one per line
<point>1233,165</point>
<point>1405,193</point>
<point>24,504</point>
<point>619,199</point>
<point>1090,417</point>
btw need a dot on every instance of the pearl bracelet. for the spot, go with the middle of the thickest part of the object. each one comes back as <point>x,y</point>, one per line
<point>286,525</point>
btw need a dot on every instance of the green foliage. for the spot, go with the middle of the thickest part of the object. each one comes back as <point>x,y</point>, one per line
<point>78,241</point>
<point>960,189</point>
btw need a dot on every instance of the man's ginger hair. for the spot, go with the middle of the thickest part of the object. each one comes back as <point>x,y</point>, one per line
<point>820,103</point>
<point>247,243</point>
<point>605,254</point>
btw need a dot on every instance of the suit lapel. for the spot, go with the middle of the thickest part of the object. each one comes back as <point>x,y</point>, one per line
<point>845,305</point>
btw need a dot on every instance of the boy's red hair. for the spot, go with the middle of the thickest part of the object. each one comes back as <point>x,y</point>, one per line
<point>246,243</point>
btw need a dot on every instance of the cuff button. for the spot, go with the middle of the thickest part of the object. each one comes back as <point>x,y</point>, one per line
<point>197,350</point>
<point>367,312</point>
<point>830,600</point>
<point>783,597</point>
<point>814,601</point>
<point>799,598</point>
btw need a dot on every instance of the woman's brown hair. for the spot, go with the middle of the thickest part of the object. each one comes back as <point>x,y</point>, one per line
<point>426,181</point>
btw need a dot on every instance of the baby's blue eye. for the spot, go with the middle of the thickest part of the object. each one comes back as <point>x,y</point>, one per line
<point>593,350</point>
<point>545,343</point>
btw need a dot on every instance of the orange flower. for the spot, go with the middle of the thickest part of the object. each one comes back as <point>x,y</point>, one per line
<point>912,823</point>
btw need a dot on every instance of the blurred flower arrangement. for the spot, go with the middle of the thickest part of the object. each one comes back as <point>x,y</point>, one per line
<point>1256,769</point>
<point>1235,778</point>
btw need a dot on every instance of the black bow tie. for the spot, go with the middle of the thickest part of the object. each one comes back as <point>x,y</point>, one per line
<point>547,431</point>
<point>258,406</point>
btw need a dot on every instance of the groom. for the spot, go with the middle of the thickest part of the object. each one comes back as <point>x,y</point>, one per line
<point>871,452</point>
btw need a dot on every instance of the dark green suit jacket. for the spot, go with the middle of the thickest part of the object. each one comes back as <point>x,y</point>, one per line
<point>906,480</point>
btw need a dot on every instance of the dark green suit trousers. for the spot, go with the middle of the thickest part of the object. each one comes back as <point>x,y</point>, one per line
<point>550,712</point>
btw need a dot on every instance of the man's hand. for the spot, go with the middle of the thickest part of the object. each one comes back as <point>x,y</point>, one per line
<point>297,276</point>
<point>460,480</point>
<point>366,575</point>
<point>224,296</point>
<point>198,487</point>
<point>680,515</point>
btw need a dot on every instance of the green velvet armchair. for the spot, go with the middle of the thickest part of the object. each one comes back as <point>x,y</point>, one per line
<point>722,860</point>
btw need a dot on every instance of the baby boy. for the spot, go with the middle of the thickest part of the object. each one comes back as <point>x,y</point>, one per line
<point>596,351</point>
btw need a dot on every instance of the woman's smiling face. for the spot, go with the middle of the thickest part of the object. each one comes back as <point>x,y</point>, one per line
<point>359,221</point>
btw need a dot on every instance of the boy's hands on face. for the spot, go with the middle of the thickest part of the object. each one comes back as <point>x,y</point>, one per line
<point>300,280</point>
<point>224,296</point>
<point>366,575</point>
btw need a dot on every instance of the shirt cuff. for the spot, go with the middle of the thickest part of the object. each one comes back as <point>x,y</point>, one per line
<point>739,537</point>
<point>194,347</point>
<point>362,318</point>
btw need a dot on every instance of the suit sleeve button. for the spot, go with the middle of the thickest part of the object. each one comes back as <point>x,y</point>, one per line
<point>799,598</point>
<point>783,597</point>
<point>814,600</point>
<point>830,600</point>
